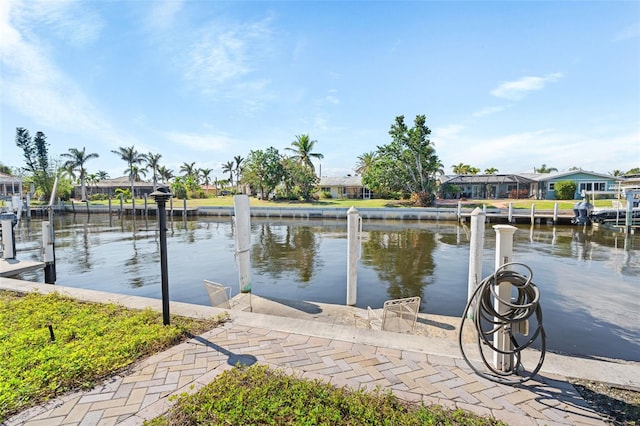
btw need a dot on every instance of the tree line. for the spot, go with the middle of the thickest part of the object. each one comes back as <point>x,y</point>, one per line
<point>407,167</point>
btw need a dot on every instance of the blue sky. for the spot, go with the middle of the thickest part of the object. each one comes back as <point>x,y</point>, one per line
<point>510,85</point>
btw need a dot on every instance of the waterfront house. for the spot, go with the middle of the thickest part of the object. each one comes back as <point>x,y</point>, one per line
<point>486,186</point>
<point>345,187</point>
<point>109,186</point>
<point>10,186</point>
<point>587,183</point>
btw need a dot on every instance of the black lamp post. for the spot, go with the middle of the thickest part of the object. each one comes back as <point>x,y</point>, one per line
<point>161,195</point>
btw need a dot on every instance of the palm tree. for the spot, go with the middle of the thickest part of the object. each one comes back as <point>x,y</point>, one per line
<point>366,162</point>
<point>189,169</point>
<point>461,169</point>
<point>228,168</point>
<point>76,160</point>
<point>545,169</point>
<point>92,179</point>
<point>102,175</point>
<point>153,162</point>
<point>204,173</point>
<point>302,148</point>
<point>138,173</point>
<point>165,174</point>
<point>490,171</point>
<point>238,168</point>
<point>132,157</point>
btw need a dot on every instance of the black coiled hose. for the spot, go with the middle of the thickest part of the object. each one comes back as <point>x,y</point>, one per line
<point>488,322</point>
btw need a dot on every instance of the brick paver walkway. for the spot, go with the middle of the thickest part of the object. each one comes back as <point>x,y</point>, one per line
<point>144,392</point>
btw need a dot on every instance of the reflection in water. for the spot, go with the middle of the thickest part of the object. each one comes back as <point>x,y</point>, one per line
<point>588,278</point>
<point>280,248</point>
<point>402,258</point>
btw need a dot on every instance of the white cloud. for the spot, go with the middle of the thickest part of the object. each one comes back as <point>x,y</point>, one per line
<point>33,84</point>
<point>67,20</point>
<point>447,132</point>
<point>490,110</point>
<point>332,97</point>
<point>214,143</point>
<point>630,32</point>
<point>163,13</point>
<point>515,90</point>
<point>522,151</point>
<point>223,54</point>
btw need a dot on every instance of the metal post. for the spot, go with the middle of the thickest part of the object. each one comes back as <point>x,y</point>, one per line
<point>555,213</point>
<point>475,252</point>
<point>161,195</point>
<point>242,220</point>
<point>510,212</point>
<point>504,253</point>
<point>354,228</point>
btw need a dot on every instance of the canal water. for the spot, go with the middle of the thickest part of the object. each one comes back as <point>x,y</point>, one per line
<point>589,279</point>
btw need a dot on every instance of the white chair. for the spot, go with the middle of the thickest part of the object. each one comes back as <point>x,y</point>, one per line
<point>220,297</point>
<point>399,315</point>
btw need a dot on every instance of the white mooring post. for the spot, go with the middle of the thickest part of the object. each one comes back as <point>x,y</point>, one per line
<point>533,214</point>
<point>8,247</point>
<point>459,211</point>
<point>628,221</point>
<point>48,246</point>
<point>475,252</point>
<point>504,254</point>
<point>555,214</point>
<point>510,212</point>
<point>354,229</point>
<point>242,220</point>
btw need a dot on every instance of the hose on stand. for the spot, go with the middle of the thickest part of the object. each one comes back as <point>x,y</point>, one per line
<point>518,312</point>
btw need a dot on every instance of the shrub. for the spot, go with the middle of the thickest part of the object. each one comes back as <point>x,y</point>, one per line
<point>565,190</point>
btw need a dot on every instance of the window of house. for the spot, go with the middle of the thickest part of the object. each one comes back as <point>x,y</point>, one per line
<point>593,186</point>
<point>552,186</point>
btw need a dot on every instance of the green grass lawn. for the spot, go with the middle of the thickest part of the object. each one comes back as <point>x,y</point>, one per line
<point>227,201</point>
<point>51,344</point>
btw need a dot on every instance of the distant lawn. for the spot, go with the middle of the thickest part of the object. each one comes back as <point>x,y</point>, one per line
<point>227,201</point>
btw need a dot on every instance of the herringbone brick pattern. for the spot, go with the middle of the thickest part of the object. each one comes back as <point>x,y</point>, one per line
<point>143,394</point>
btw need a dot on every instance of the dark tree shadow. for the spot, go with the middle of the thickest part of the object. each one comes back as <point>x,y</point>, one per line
<point>306,307</point>
<point>437,324</point>
<point>234,359</point>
